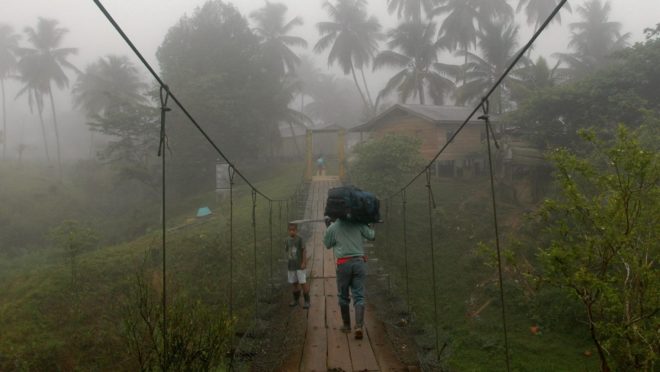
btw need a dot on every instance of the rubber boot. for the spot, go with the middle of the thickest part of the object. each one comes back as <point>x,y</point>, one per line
<point>306,305</point>
<point>296,297</point>
<point>359,321</point>
<point>346,318</point>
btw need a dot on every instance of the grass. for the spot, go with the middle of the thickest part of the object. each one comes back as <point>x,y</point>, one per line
<point>466,283</point>
<point>50,322</point>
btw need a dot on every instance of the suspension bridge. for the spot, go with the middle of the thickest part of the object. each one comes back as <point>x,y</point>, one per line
<point>325,347</point>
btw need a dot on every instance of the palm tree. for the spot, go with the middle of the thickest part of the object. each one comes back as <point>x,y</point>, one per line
<point>412,10</point>
<point>464,17</point>
<point>8,47</point>
<point>352,37</point>
<point>594,38</point>
<point>415,51</point>
<point>538,10</point>
<point>534,76</point>
<point>498,45</point>
<point>29,73</point>
<point>45,63</point>
<point>273,31</point>
<point>107,83</point>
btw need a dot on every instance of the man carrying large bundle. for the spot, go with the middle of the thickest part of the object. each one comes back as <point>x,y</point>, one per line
<point>345,236</point>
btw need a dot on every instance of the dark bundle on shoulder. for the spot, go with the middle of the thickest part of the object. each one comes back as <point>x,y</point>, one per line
<point>352,204</point>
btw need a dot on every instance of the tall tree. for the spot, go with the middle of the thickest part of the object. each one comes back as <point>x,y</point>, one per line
<point>213,59</point>
<point>45,63</point>
<point>415,52</point>
<point>598,241</point>
<point>538,10</point>
<point>8,47</point>
<point>498,46</point>
<point>412,10</point>
<point>110,83</point>
<point>352,37</point>
<point>594,38</point>
<point>534,76</point>
<point>275,39</point>
<point>106,83</point>
<point>465,17</point>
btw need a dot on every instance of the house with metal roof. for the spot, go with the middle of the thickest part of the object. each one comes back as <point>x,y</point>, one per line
<point>434,126</point>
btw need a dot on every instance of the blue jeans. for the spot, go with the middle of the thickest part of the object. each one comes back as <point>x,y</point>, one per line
<point>351,274</point>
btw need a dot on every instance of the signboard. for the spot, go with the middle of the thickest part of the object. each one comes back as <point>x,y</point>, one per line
<point>221,176</point>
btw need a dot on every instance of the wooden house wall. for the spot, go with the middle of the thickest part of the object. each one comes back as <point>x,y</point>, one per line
<point>434,136</point>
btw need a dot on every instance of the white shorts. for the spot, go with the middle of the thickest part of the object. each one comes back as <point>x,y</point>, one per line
<point>297,276</point>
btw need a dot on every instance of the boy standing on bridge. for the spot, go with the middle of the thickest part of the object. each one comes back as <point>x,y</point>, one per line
<point>346,240</point>
<point>297,263</point>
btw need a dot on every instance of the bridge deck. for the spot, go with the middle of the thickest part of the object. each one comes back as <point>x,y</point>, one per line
<point>326,348</point>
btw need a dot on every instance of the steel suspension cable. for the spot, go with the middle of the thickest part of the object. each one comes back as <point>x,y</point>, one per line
<point>486,119</point>
<point>160,81</point>
<point>270,234</point>
<point>254,241</point>
<point>231,241</point>
<point>506,72</point>
<point>162,145</point>
<point>431,207</point>
<point>404,202</point>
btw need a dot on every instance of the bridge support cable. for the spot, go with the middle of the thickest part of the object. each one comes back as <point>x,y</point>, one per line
<point>270,238</point>
<point>404,201</point>
<point>232,174</point>
<point>162,145</point>
<point>489,131</point>
<point>431,207</point>
<point>254,246</point>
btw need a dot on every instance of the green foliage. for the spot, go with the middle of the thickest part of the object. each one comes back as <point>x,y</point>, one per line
<point>73,238</point>
<point>197,337</point>
<point>625,92</point>
<point>383,165</point>
<point>602,245</point>
<point>44,327</point>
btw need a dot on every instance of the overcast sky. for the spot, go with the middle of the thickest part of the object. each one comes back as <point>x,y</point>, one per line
<point>147,21</point>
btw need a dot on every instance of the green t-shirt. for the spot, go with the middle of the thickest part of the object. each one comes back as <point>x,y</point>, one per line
<point>294,249</point>
<point>345,238</point>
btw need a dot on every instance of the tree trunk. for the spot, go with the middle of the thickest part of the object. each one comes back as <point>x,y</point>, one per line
<point>57,132</point>
<point>420,89</point>
<point>604,367</point>
<point>4,121</point>
<point>295,140</point>
<point>465,66</point>
<point>40,109</point>
<point>366,88</point>
<point>357,85</point>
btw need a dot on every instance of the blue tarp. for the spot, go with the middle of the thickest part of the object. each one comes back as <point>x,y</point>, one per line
<point>203,212</point>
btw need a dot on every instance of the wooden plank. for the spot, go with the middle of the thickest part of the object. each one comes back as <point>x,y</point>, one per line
<point>339,357</point>
<point>380,343</point>
<point>362,355</point>
<point>329,267</point>
<point>315,350</point>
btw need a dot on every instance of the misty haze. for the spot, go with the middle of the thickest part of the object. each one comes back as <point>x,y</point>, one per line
<point>340,185</point>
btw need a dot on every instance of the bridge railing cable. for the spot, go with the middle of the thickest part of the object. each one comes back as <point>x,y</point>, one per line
<point>261,272</point>
<point>431,201</point>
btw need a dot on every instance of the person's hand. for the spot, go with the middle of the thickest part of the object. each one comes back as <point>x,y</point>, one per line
<point>303,266</point>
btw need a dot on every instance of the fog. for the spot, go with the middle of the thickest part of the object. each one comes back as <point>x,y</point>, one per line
<point>147,21</point>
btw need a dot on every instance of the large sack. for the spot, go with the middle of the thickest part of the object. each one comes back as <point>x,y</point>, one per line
<point>352,204</point>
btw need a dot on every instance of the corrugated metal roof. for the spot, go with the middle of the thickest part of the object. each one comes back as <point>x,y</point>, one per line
<point>432,113</point>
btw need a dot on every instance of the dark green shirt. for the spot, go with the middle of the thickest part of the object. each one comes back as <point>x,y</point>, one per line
<point>294,249</point>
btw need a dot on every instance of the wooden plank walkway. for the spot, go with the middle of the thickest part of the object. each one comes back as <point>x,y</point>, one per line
<point>326,348</point>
